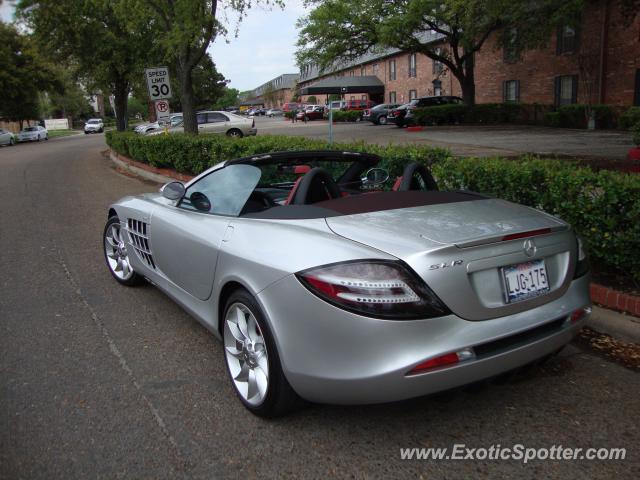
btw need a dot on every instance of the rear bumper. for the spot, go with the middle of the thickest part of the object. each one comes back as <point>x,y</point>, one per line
<point>333,356</point>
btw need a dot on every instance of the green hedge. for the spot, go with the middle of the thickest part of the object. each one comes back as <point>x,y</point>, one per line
<point>346,115</point>
<point>630,118</point>
<point>486,113</point>
<point>603,206</point>
<point>575,116</point>
<point>635,130</point>
<point>194,154</point>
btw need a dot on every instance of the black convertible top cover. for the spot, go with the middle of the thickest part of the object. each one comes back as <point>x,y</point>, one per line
<point>365,203</point>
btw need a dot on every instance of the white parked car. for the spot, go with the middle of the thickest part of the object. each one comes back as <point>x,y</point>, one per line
<point>6,137</point>
<point>33,134</point>
<point>145,128</point>
<point>274,112</point>
<point>218,122</point>
<point>94,125</point>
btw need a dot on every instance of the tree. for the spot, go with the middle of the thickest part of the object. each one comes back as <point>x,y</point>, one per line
<point>208,85</point>
<point>189,27</point>
<point>23,75</point>
<point>229,98</point>
<point>107,44</point>
<point>331,34</point>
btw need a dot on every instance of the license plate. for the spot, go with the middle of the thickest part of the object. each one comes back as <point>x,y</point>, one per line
<point>525,280</point>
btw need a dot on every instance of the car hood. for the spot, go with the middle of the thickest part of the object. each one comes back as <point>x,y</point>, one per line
<point>404,231</point>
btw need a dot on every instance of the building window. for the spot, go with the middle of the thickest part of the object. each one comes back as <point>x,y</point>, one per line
<point>412,65</point>
<point>509,49</point>
<point>363,71</point>
<point>392,69</point>
<point>352,73</point>
<point>511,91</point>
<point>353,97</point>
<point>363,97</point>
<point>567,40</point>
<point>437,66</point>
<point>375,69</point>
<point>392,97</point>
<point>566,89</point>
<point>437,88</point>
<point>636,96</point>
<point>413,94</point>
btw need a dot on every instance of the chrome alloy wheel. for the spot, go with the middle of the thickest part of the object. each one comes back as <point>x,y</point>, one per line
<point>116,252</point>
<point>246,354</point>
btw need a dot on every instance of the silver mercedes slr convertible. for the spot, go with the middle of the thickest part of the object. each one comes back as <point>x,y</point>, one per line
<point>327,283</point>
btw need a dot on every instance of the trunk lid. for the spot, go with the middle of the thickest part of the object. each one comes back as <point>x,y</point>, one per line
<point>459,250</point>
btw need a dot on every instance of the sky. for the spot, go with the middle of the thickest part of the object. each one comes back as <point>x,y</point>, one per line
<point>263,49</point>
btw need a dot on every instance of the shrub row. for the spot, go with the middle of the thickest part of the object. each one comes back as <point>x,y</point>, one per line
<point>603,206</point>
<point>630,118</point>
<point>346,115</point>
<point>194,154</point>
<point>575,116</point>
<point>486,113</point>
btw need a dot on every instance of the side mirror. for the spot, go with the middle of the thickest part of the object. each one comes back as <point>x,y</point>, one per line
<point>375,177</point>
<point>173,190</point>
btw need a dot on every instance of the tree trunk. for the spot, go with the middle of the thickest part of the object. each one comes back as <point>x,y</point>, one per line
<point>186,100</point>
<point>121,94</point>
<point>468,85</point>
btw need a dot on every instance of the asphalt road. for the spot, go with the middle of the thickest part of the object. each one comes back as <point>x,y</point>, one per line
<point>102,381</point>
<point>468,140</point>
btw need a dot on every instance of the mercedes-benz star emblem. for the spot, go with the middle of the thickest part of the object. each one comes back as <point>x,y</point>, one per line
<point>529,248</point>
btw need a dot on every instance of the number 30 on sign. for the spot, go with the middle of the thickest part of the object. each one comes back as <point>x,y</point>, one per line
<point>158,82</point>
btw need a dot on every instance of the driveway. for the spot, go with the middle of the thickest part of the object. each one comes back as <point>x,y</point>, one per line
<point>480,141</point>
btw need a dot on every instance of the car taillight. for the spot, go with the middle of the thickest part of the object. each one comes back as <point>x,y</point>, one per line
<point>375,288</point>
<point>582,265</point>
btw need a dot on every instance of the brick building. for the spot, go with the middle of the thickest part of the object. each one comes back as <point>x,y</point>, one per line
<point>599,61</point>
<point>275,92</point>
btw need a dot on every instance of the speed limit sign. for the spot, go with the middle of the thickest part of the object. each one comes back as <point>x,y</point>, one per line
<point>158,82</point>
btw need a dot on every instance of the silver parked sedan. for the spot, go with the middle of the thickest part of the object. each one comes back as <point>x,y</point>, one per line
<point>33,134</point>
<point>324,286</point>
<point>6,137</point>
<point>225,123</point>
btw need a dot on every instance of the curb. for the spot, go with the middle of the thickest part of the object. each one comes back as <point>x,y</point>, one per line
<point>618,325</point>
<point>610,298</point>
<point>614,323</point>
<point>158,175</point>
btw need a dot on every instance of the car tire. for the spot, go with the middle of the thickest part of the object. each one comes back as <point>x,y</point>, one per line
<point>382,120</point>
<point>234,132</point>
<point>116,255</point>
<point>38,138</point>
<point>247,356</point>
<point>86,133</point>
<point>101,130</point>
<point>46,137</point>
<point>12,142</point>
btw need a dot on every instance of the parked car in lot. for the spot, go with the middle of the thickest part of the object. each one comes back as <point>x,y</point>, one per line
<point>7,137</point>
<point>358,105</point>
<point>324,286</point>
<point>260,111</point>
<point>311,112</point>
<point>145,128</point>
<point>378,114</point>
<point>94,125</point>
<point>291,107</point>
<point>402,115</point>
<point>274,112</point>
<point>217,122</point>
<point>33,134</point>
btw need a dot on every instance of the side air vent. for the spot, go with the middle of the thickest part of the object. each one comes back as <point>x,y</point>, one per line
<point>138,232</point>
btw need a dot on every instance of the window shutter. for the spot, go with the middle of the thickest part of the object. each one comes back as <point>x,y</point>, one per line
<point>518,91</point>
<point>574,88</point>
<point>556,91</point>
<point>636,100</point>
<point>504,91</point>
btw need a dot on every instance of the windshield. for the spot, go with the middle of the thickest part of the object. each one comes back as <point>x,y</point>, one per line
<point>93,121</point>
<point>30,129</point>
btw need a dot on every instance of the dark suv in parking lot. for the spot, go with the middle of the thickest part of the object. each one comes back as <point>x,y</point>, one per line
<point>403,116</point>
<point>378,114</point>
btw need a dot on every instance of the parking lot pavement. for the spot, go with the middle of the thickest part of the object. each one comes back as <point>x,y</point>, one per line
<point>481,141</point>
<point>102,381</point>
